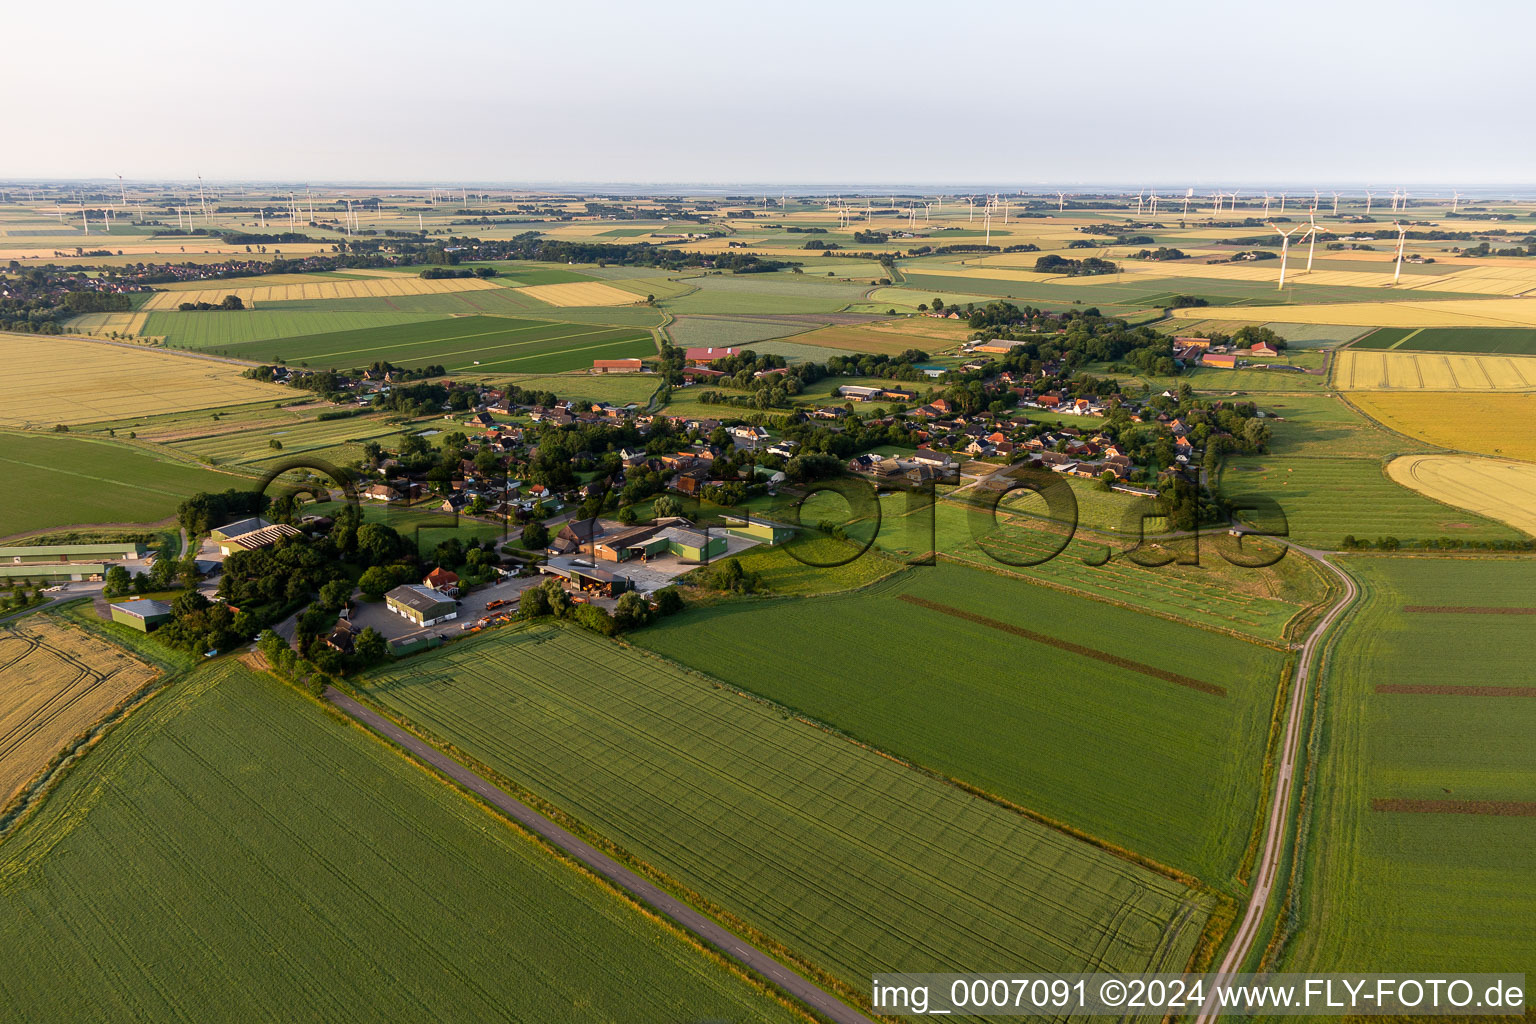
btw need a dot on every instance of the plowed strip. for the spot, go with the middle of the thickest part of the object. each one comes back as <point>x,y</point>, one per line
<point>1051,641</point>
<point>1458,691</point>
<point>1503,808</point>
<point>1453,609</point>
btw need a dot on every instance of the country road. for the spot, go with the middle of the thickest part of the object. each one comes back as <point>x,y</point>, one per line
<point>726,942</point>
<point>1274,839</point>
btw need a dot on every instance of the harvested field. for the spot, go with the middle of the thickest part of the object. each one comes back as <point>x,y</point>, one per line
<point>1504,808</point>
<point>1450,420</point>
<point>865,339</point>
<point>56,681</point>
<point>583,293</point>
<point>1368,370</point>
<point>1495,488</point>
<point>51,380</point>
<point>334,288</point>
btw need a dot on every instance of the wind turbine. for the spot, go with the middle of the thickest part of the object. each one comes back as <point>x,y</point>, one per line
<point>1311,242</point>
<point>988,219</point>
<point>1266,204</point>
<point>203,196</point>
<point>1402,237</point>
<point>1217,207</point>
<point>1285,248</point>
<point>1188,195</point>
<point>1316,196</point>
<point>1335,204</point>
<point>970,201</point>
<point>1061,201</point>
<point>123,189</point>
<point>1455,202</point>
<point>1368,197</point>
<point>1138,201</point>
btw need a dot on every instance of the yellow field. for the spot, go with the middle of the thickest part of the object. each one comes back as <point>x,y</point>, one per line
<point>51,380</point>
<point>1490,424</point>
<point>56,681</point>
<point>581,293</point>
<point>325,289</point>
<point>131,324</point>
<point>1501,490</point>
<point>874,340</point>
<point>919,329</point>
<point>1381,370</point>
<point>1444,313</point>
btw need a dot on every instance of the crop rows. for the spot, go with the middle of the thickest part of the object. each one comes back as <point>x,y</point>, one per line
<point>852,860</point>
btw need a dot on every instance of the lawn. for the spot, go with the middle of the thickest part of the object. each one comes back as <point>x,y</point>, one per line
<point>234,854</point>
<point>474,343</point>
<point>1327,499</point>
<point>58,480</point>
<point>854,861</point>
<point>1152,765</point>
<point>1429,890</point>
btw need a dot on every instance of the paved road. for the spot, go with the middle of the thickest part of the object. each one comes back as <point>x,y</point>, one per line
<point>1258,903</point>
<point>731,945</point>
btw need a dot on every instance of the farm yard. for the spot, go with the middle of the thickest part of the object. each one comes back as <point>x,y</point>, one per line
<point>56,681</point>
<point>1188,731</point>
<point>1495,488</point>
<point>1448,420</point>
<point>51,380</point>
<point>1423,714</point>
<point>134,884</point>
<point>56,480</point>
<point>481,344</point>
<point>776,821</point>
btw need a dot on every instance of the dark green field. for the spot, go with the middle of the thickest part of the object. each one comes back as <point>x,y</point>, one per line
<point>481,343</point>
<point>1150,764</point>
<point>53,479</point>
<point>1508,341</point>
<point>231,853</point>
<point>1384,337</point>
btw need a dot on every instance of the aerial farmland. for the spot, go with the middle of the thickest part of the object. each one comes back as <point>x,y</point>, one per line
<point>765,519</point>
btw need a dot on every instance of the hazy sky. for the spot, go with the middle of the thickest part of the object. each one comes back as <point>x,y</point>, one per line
<point>1161,92</point>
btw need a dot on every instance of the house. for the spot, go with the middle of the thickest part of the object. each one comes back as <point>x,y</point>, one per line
<point>343,637</point>
<point>1264,348</point>
<point>265,537</point>
<point>422,605</point>
<point>709,355</point>
<point>938,460</point>
<point>141,615</point>
<point>576,535</point>
<point>746,436</point>
<point>380,492</point>
<point>442,581</point>
<point>480,419</point>
<point>617,365</point>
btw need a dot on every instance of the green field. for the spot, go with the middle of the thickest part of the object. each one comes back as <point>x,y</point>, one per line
<point>719,331</point>
<point>218,330</point>
<point>1148,764</point>
<point>1492,340</point>
<point>474,343</point>
<point>335,441</point>
<point>1327,499</point>
<point>1428,890</point>
<point>57,480</point>
<point>1323,425</point>
<point>765,293</point>
<point>853,861</point>
<point>497,301</point>
<point>233,854</point>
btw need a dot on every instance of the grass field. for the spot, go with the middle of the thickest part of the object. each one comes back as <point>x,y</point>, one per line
<point>1367,370</point>
<point>210,330</point>
<point>335,441</point>
<point>854,861</point>
<point>482,344</point>
<point>234,854</point>
<point>1489,424</point>
<point>1324,425</point>
<point>1407,313</point>
<point>765,293</point>
<point>51,380</point>
<point>878,340</point>
<point>1505,491</point>
<point>56,681</point>
<point>1425,891</point>
<point>1327,499</point>
<point>1495,340</point>
<point>54,480</point>
<point>1018,717</point>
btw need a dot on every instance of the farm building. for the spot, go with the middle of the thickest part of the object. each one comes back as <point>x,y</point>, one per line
<point>692,545</point>
<point>238,527</point>
<point>858,392</point>
<point>1264,348</point>
<point>764,530</point>
<point>141,615</point>
<point>422,605</point>
<point>264,537</point>
<point>586,576</point>
<point>54,571</point>
<point>1222,360</point>
<point>70,552</point>
<point>442,581</point>
<point>709,355</point>
<point>1187,341</point>
<point>635,542</point>
<point>617,365</point>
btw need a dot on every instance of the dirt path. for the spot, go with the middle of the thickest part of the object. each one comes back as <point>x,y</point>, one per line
<point>726,942</point>
<point>1274,838</point>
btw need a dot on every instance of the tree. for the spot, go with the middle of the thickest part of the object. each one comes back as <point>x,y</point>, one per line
<point>117,582</point>
<point>590,616</point>
<point>665,507</point>
<point>559,600</point>
<point>533,604</point>
<point>669,601</point>
<point>631,611</point>
<point>375,582</point>
<point>370,647</point>
<point>535,536</point>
